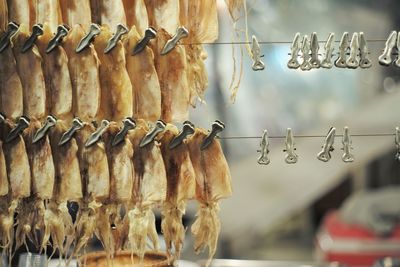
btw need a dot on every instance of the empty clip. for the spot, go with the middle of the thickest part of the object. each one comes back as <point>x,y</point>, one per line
<point>150,136</point>
<point>314,60</point>
<point>50,122</point>
<point>128,124</point>
<point>327,58</point>
<point>5,40</point>
<point>121,30</point>
<point>352,62</point>
<point>295,48</point>
<point>365,61</point>
<point>397,61</point>
<point>291,156</point>
<point>256,55</point>
<point>347,156</point>
<point>77,124</point>
<point>343,47</point>
<point>181,33</point>
<point>216,128</point>
<point>187,129</point>
<point>397,142</point>
<point>37,30</point>
<point>327,148</point>
<point>95,137</point>
<point>263,159</point>
<point>22,124</point>
<point>62,31</point>
<point>386,58</point>
<point>94,30</point>
<point>305,54</point>
<point>149,33</point>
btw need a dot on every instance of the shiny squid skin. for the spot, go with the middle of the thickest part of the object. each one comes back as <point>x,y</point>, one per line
<point>136,15</point>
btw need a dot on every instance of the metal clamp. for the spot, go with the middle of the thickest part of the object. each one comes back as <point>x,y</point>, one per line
<point>327,147</point>
<point>263,159</point>
<point>181,33</point>
<point>291,157</point>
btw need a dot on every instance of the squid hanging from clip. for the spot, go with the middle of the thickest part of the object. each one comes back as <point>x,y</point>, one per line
<point>263,159</point>
<point>256,55</point>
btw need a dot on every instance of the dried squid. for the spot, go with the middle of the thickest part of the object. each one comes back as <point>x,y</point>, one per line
<point>145,84</point>
<point>84,73</point>
<point>11,92</point>
<point>3,15</point>
<point>149,189</point>
<point>172,73</point>
<point>21,12</point>
<point>180,188</point>
<point>108,12</point>
<point>57,77</point>
<point>76,12</point>
<point>48,12</point>
<point>213,183</point>
<point>136,15</point>
<point>116,94</point>
<point>163,14</point>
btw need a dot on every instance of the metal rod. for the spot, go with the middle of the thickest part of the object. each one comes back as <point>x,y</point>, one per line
<point>270,42</point>
<point>304,136</point>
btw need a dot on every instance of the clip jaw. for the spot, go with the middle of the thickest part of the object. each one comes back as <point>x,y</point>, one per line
<point>62,31</point>
<point>263,159</point>
<point>347,156</point>
<point>150,33</point>
<point>293,62</point>
<point>95,137</point>
<point>121,30</point>
<point>327,59</point>
<point>2,117</point>
<point>397,142</point>
<point>365,61</point>
<point>94,30</point>
<point>216,128</point>
<point>5,40</point>
<point>256,55</point>
<point>327,148</point>
<point>314,60</point>
<point>187,129</point>
<point>150,136</point>
<point>181,33</point>
<point>386,57</point>
<point>128,124</point>
<point>397,61</point>
<point>343,47</point>
<point>50,122</point>
<point>37,30</point>
<point>291,157</point>
<point>77,124</point>
<point>22,124</point>
<point>352,62</point>
<point>305,54</point>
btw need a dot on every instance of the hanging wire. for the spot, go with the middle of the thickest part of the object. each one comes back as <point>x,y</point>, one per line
<point>271,42</point>
<point>303,136</point>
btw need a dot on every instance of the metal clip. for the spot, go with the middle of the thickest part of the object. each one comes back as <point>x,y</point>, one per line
<point>295,48</point>
<point>327,59</point>
<point>347,156</point>
<point>264,144</point>
<point>2,117</point>
<point>291,157</point>
<point>77,124</point>
<point>386,57</point>
<point>305,54</point>
<point>181,33</point>
<point>343,47</point>
<point>216,128</point>
<point>121,30</point>
<point>187,129</point>
<point>365,61</point>
<point>37,30</point>
<point>128,124</point>
<point>397,61</point>
<point>94,30</point>
<point>397,142</point>
<point>327,148</point>
<point>352,62</point>
<point>95,137</point>
<point>149,33</point>
<point>22,124</point>
<point>50,122</point>
<point>5,40</point>
<point>62,31</point>
<point>256,55</point>
<point>150,136</point>
<point>314,60</point>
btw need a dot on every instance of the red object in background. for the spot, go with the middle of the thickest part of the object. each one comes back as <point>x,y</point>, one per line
<point>353,245</point>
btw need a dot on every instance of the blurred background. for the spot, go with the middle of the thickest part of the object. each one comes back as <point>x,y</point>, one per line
<point>278,210</point>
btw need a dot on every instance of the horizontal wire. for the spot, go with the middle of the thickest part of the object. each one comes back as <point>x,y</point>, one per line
<point>270,42</point>
<point>303,136</point>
